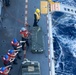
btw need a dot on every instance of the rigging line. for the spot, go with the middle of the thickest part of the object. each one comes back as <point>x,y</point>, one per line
<point>18,20</point>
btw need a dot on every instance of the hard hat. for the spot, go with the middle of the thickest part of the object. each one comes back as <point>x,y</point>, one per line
<point>2,69</point>
<point>23,29</point>
<point>11,51</point>
<point>6,56</point>
<point>38,10</point>
<point>15,40</point>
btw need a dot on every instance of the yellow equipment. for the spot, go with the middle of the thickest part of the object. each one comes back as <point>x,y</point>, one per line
<point>37,10</point>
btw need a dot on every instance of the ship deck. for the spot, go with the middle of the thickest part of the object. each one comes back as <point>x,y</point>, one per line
<point>12,21</point>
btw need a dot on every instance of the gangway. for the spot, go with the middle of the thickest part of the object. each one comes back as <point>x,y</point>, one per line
<point>48,7</point>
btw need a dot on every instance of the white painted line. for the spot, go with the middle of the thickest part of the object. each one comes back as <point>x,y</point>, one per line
<point>50,72</point>
<point>25,18</point>
<point>47,17</point>
<point>26,1</point>
<point>48,51</point>
<point>25,22</point>
<point>48,35</point>
<point>49,56</point>
<point>51,45</point>
<point>26,12</point>
<point>26,6</point>
<point>49,62</point>
<point>49,65</point>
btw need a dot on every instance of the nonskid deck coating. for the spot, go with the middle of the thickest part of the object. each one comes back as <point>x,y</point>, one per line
<point>13,20</point>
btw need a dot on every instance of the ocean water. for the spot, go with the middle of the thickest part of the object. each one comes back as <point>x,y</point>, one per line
<point>64,34</point>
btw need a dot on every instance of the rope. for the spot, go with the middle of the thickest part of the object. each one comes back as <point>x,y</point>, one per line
<point>18,20</point>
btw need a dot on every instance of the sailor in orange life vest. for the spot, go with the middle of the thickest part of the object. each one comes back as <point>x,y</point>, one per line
<point>36,17</point>
<point>15,44</point>
<point>25,35</point>
<point>12,54</point>
<point>5,70</point>
<point>6,60</point>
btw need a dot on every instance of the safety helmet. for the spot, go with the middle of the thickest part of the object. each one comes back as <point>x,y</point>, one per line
<point>6,56</point>
<point>15,40</point>
<point>37,10</point>
<point>2,69</point>
<point>23,29</point>
<point>11,51</point>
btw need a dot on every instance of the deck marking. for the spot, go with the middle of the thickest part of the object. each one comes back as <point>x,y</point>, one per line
<point>26,10</point>
<point>26,14</point>
<point>25,18</point>
<point>48,46</point>
<point>26,1</point>
<point>26,6</point>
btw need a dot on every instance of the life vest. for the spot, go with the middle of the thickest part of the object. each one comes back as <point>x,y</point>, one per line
<point>25,33</point>
<point>11,55</point>
<point>3,72</point>
<point>6,60</point>
<point>15,44</point>
<point>37,15</point>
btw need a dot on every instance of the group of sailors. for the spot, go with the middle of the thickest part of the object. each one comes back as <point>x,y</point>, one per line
<point>12,54</point>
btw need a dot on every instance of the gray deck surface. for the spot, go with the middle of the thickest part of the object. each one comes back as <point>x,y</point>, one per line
<point>13,20</point>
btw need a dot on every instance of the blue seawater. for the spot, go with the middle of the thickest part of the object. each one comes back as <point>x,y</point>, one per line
<point>64,34</point>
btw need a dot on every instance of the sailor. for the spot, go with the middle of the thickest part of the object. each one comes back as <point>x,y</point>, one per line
<point>36,17</point>
<point>25,35</point>
<point>5,70</point>
<point>6,60</point>
<point>12,54</point>
<point>6,2</point>
<point>15,44</point>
